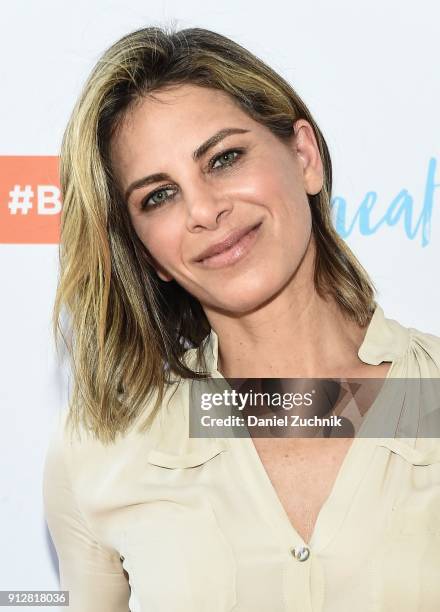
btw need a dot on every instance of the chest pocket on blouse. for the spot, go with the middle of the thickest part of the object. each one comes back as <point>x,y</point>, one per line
<point>176,554</point>
<point>407,565</point>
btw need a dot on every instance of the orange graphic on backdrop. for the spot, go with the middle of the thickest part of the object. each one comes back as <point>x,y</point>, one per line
<point>30,202</point>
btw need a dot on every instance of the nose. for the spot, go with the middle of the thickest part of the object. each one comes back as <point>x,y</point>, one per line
<point>205,206</point>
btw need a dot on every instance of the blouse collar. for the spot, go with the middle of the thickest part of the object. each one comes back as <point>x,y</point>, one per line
<point>385,340</point>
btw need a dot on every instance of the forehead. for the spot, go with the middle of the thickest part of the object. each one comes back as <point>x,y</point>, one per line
<point>172,122</point>
<point>181,104</point>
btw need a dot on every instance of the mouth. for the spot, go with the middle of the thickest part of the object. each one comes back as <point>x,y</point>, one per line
<point>231,250</point>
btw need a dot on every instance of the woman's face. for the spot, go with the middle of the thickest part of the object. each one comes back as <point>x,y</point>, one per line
<point>197,171</point>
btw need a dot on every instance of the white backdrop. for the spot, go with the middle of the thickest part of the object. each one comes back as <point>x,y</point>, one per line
<point>368,72</point>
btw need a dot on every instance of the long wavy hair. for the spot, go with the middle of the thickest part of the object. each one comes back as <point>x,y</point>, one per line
<point>130,330</point>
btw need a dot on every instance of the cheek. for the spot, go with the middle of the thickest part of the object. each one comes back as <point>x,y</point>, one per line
<point>280,189</point>
<point>161,238</point>
<point>299,221</point>
<point>291,217</point>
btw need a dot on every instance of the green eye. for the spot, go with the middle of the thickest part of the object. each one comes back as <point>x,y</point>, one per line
<point>227,158</point>
<point>156,198</point>
<point>159,195</point>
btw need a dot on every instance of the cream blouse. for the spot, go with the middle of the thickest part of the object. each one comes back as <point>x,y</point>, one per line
<point>162,522</point>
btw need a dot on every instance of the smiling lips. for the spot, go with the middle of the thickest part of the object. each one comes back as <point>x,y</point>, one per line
<point>231,249</point>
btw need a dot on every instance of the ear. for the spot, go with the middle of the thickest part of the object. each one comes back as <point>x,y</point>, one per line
<point>307,151</point>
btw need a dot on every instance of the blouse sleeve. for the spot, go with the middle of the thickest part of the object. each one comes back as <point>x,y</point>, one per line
<point>93,574</point>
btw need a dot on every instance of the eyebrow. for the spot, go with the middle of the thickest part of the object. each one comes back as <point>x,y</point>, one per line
<point>197,154</point>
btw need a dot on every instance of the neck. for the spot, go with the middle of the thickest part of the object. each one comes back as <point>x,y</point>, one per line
<point>298,334</point>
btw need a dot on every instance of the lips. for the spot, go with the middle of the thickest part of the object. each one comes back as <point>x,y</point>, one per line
<point>225,244</point>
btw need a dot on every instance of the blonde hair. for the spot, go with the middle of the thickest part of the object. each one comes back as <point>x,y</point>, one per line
<point>129,329</point>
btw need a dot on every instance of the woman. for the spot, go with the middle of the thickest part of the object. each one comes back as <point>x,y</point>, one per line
<point>197,240</point>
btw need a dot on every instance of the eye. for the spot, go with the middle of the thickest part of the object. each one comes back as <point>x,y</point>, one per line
<point>156,198</point>
<point>227,158</point>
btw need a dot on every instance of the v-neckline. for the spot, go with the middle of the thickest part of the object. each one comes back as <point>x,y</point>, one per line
<point>337,504</point>
<point>334,508</point>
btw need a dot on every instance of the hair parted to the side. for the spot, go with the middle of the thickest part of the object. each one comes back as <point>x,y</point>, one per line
<point>127,325</point>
